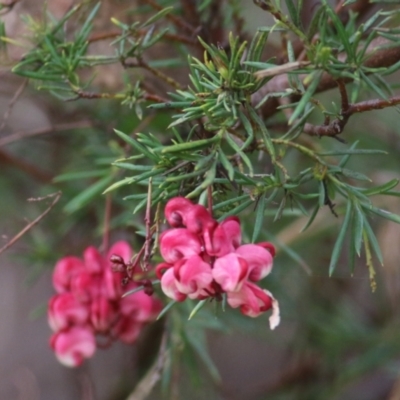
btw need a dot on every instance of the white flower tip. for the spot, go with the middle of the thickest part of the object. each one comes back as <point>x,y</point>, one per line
<point>275,317</point>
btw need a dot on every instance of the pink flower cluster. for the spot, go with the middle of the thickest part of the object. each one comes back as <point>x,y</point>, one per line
<point>204,259</point>
<point>88,303</point>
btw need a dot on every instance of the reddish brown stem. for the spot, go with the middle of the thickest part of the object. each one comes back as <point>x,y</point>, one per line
<point>18,236</point>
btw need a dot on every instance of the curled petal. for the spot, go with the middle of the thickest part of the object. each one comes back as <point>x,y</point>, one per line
<point>258,259</point>
<point>268,246</point>
<point>64,310</point>
<point>193,276</point>
<point>94,262</point>
<point>178,243</point>
<point>73,345</point>
<point>169,287</point>
<point>230,272</point>
<point>176,210</point>
<point>253,300</point>
<point>225,238</point>
<point>161,268</point>
<point>103,314</point>
<point>64,271</point>
<point>198,220</point>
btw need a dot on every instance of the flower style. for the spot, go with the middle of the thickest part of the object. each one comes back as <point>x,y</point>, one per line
<point>88,303</point>
<point>205,259</point>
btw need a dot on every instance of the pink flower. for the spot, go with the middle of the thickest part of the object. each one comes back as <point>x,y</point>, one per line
<point>73,345</point>
<point>192,276</point>
<point>178,243</point>
<point>169,286</point>
<point>65,310</point>
<point>205,259</point>
<point>230,271</point>
<point>225,238</point>
<point>253,301</point>
<point>258,259</point>
<point>66,269</point>
<point>90,302</point>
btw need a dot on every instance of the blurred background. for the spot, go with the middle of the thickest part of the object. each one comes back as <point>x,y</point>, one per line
<point>337,340</point>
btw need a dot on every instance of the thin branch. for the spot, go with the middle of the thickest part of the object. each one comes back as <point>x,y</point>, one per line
<point>55,128</point>
<point>153,375</point>
<point>178,22</point>
<point>12,102</point>
<point>28,168</point>
<point>106,228</point>
<point>139,62</point>
<point>18,236</point>
<point>149,234</point>
<point>336,126</point>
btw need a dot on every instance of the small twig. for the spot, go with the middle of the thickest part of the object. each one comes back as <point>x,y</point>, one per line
<point>153,375</point>
<point>336,126</point>
<point>55,128</point>
<point>343,95</point>
<point>178,22</point>
<point>139,62</point>
<point>12,102</point>
<point>106,228</point>
<point>18,236</point>
<point>149,234</point>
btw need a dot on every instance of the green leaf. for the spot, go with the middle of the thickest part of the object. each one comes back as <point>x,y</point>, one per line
<point>226,164</point>
<point>157,16</point>
<point>314,82</point>
<point>383,213</point>
<point>339,241</point>
<point>312,217</point>
<point>381,189</point>
<point>259,217</point>
<point>72,176</point>
<point>166,309</point>
<point>87,195</point>
<point>190,146</point>
<point>198,307</point>
<point>359,152</point>
<point>135,144</point>
<point>358,227</point>
<point>373,241</point>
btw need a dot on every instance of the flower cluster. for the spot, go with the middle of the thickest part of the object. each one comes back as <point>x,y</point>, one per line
<point>89,303</point>
<point>205,259</point>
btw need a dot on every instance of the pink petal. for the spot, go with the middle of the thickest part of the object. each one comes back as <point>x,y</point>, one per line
<point>225,238</point>
<point>193,276</point>
<point>253,301</point>
<point>230,272</point>
<point>85,285</point>
<point>65,310</point>
<point>94,261</point>
<point>73,345</point>
<point>169,287</point>
<point>258,259</point>
<point>176,210</point>
<point>198,220</point>
<point>268,246</point>
<point>112,282</point>
<point>64,271</point>
<point>178,243</point>
<point>103,314</point>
